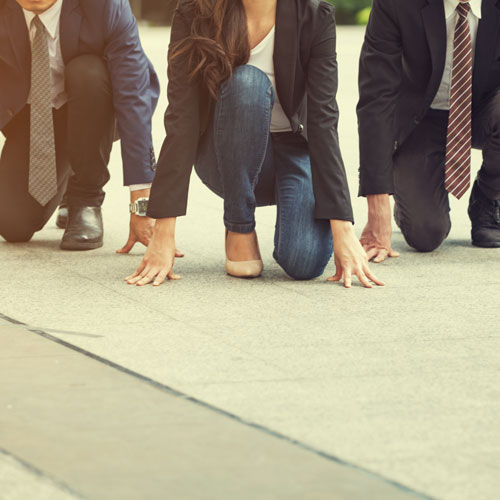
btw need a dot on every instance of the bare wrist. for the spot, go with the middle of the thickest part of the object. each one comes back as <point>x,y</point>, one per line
<point>165,228</point>
<point>340,227</point>
<point>139,193</point>
<point>378,204</point>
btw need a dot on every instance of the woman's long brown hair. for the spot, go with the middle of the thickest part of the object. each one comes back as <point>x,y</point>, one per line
<point>218,41</point>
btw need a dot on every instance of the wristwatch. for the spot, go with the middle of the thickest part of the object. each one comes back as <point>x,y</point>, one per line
<point>139,207</point>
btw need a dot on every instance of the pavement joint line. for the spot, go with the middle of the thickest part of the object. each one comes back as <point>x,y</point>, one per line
<point>174,392</point>
<point>54,330</point>
<point>40,473</point>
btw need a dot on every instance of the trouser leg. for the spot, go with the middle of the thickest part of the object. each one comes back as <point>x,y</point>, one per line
<point>303,244</point>
<point>486,136</point>
<point>90,129</point>
<point>236,154</point>
<point>422,209</point>
<point>20,215</point>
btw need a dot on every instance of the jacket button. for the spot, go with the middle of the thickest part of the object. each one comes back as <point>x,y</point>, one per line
<point>300,128</point>
<point>396,145</point>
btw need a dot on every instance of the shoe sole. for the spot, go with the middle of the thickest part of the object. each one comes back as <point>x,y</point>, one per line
<point>250,277</point>
<point>487,244</point>
<point>75,245</point>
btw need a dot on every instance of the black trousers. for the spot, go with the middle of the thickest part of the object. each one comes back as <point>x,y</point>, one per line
<point>83,128</point>
<point>422,209</point>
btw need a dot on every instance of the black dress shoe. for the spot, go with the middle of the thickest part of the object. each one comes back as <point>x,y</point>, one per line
<point>484,214</point>
<point>84,230</point>
<point>62,217</point>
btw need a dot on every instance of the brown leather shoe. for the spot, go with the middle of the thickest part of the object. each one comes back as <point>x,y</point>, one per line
<point>84,230</point>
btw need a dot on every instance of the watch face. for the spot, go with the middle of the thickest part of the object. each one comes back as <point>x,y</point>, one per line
<point>142,206</point>
<point>139,207</point>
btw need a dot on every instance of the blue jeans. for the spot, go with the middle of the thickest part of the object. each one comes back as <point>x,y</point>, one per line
<point>241,161</point>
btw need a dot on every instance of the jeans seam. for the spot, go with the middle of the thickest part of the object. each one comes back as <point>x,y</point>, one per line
<point>269,108</point>
<point>217,134</point>
<point>280,220</point>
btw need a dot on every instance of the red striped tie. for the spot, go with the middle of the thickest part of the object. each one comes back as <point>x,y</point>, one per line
<point>459,139</point>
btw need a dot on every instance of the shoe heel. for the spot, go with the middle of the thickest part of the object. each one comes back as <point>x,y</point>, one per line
<point>244,269</point>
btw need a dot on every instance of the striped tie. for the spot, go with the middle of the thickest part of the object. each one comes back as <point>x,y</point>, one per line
<point>42,173</point>
<point>459,139</point>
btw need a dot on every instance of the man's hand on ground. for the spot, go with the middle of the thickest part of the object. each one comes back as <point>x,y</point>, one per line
<point>376,237</point>
<point>141,230</point>
<point>350,258</point>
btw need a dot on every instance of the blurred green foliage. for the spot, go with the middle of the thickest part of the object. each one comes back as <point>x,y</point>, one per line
<point>354,5</point>
<point>154,11</point>
<point>363,16</point>
<point>352,11</point>
<point>160,11</point>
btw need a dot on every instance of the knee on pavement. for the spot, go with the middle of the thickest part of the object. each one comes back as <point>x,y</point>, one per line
<point>427,236</point>
<point>302,261</point>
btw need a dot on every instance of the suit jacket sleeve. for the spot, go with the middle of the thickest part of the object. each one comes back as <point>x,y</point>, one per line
<point>169,193</point>
<point>135,92</point>
<point>330,185</point>
<point>380,73</point>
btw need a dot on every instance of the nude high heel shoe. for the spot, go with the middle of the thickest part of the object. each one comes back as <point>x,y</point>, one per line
<point>244,269</point>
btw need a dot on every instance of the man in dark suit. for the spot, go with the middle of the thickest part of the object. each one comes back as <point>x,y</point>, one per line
<point>70,71</point>
<point>429,91</point>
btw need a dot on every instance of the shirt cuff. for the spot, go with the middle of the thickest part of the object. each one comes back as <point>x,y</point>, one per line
<point>137,187</point>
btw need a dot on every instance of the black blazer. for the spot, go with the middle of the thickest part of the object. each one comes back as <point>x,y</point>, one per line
<point>306,80</point>
<point>401,67</point>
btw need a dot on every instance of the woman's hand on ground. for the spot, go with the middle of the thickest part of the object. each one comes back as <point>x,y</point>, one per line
<point>376,237</point>
<point>158,262</point>
<point>350,257</point>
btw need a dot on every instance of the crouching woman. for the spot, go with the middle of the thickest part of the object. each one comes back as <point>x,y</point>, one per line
<point>252,104</point>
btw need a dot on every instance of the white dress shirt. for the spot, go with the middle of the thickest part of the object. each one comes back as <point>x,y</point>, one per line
<point>51,20</point>
<point>442,99</point>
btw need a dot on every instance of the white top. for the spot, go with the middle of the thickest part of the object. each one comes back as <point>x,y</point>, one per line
<point>442,99</point>
<point>262,57</point>
<point>50,19</point>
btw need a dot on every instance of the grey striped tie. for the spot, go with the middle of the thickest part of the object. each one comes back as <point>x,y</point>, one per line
<point>42,173</point>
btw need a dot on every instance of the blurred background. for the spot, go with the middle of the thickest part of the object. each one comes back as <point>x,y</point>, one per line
<point>160,11</point>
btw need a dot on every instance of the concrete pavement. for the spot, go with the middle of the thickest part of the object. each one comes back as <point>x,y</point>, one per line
<point>402,381</point>
<point>115,435</point>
